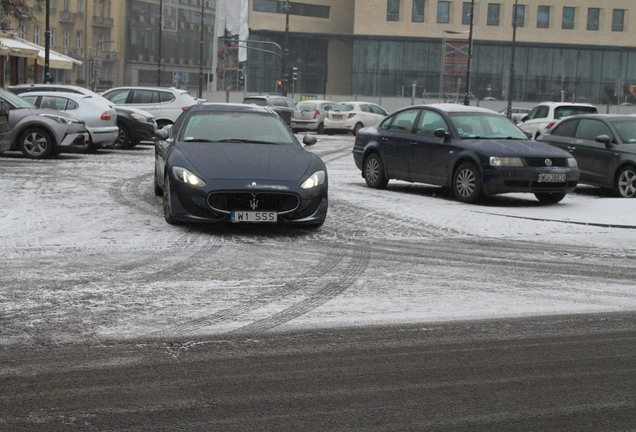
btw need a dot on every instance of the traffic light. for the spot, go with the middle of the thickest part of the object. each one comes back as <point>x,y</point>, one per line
<point>241,79</point>
<point>279,85</point>
<point>294,73</point>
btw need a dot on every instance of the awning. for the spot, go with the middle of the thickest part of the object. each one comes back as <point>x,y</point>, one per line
<point>13,46</point>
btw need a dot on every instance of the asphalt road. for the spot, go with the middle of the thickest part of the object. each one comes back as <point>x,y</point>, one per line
<point>111,320</point>
<point>560,373</point>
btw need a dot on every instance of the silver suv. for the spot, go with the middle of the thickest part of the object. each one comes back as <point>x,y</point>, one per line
<point>38,133</point>
<point>310,115</point>
<point>166,104</point>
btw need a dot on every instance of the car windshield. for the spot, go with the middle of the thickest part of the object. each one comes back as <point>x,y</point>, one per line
<point>567,111</point>
<point>472,125</point>
<point>236,127</point>
<point>16,100</point>
<point>626,130</point>
<point>342,107</point>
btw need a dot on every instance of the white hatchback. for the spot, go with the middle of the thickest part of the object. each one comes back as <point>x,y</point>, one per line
<point>353,116</point>
<point>166,104</point>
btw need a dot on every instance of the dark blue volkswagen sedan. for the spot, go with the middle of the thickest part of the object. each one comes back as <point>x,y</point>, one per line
<point>474,151</point>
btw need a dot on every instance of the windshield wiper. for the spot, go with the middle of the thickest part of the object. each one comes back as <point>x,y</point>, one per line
<point>247,141</point>
<point>197,140</point>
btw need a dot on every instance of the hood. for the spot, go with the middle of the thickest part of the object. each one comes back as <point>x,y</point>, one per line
<point>518,148</point>
<point>255,161</point>
<point>133,110</point>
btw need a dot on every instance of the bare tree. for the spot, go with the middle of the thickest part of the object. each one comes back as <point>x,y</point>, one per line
<point>11,11</point>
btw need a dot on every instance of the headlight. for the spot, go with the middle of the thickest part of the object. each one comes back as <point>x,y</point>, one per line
<point>139,117</point>
<point>60,119</point>
<point>505,161</point>
<point>572,163</point>
<point>316,179</point>
<point>187,177</point>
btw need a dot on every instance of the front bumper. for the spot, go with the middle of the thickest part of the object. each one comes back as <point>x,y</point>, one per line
<point>74,143</point>
<point>506,180</point>
<point>143,132</point>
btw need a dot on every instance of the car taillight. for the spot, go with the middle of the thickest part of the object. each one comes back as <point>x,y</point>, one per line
<point>549,125</point>
<point>316,114</point>
<point>184,108</point>
<point>351,115</point>
<point>293,114</point>
<point>105,116</point>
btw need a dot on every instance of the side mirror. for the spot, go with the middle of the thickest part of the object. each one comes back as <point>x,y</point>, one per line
<point>309,139</point>
<point>524,118</point>
<point>441,133</point>
<point>162,134</point>
<point>604,139</point>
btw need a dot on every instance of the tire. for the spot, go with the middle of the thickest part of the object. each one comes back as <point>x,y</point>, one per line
<point>625,186</point>
<point>467,185</point>
<point>321,129</point>
<point>123,138</point>
<point>549,198</point>
<point>36,143</point>
<point>158,189</point>
<point>357,128</point>
<point>167,203</point>
<point>373,172</point>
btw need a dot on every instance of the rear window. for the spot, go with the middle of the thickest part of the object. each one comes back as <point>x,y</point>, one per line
<point>307,106</point>
<point>342,107</point>
<point>255,101</point>
<point>567,111</point>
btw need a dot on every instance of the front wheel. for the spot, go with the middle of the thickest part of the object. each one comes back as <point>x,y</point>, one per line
<point>167,203</point>
<point>36,143</point>
<point>549,198</point>
<point>467,186</point>
<point>123,138</point>
<point>626,183</point>
<point>374,172</point>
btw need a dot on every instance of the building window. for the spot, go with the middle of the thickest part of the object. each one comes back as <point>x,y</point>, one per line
<point>78,40</point>
<point>443,12</point>
<point>36,34</point>
<point>67,5</point>
<point>466,13</point>
<point>493,14</point>
<point>520,14</point>
<point>22,31</point>
<point>80,6</point>
<point>618,20</point>
<point>52,37</point>
<point>593,18</point>
<point>393,10</point>
<point>302,9</point>
<point>568,18</point>
<point>66,39</point>
<point>417,13</point>
<point>543,17</point>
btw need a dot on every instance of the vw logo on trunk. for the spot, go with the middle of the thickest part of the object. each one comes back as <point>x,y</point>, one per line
<point>548,162</point>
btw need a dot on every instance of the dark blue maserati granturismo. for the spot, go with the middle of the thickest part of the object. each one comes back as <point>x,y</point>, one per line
<point>238,163</point>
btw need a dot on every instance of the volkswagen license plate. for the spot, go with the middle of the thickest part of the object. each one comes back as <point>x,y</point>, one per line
<point>254,216</point>
<point>551,178</point>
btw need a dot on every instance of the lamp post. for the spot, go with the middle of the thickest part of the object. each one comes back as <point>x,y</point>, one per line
<point>470,53</point>
<point>47,44</point>
<point>512,62</point>
<point>286,51</point>
<point>159,43</point>
<point>200,92</point>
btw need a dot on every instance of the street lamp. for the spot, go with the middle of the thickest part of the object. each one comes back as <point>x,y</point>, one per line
<point>159,44</point>
<point>470,53</point>
<point>512,61</point>
<point>47,44</point>
<point>286,6</point>
<point>200,93</point>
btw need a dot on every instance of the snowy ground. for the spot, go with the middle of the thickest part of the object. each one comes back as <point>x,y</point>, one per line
<point>88,255</point>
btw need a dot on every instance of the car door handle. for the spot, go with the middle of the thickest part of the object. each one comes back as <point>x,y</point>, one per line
<point>571,148</point>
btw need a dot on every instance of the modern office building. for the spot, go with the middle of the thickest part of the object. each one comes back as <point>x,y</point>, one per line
<point>576,49</point>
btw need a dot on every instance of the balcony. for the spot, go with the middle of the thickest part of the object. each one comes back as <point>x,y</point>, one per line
<point>67,17</point>
<point>101,21</point>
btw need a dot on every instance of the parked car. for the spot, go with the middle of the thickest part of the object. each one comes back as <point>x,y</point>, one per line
<point>473,151</point>
<point>516,113</point>
<point>310,115</point>
<point>38,133</point>
<point>353,116</point>
<point>166,104</point>
<point>604,147</point>
<point>283,106</point>
<point>99,117</point>
<point>238,163</point>
<point>135,125</point>
<point>544,115</point>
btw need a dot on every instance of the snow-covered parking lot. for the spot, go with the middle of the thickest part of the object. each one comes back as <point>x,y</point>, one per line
<point>88,256</point>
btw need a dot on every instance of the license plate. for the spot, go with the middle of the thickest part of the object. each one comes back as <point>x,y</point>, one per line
<point>254,216</point>
<point>551,178</point>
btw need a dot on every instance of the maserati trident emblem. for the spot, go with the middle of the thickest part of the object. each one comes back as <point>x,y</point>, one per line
<point>548,162</point>
<point>253,203</point>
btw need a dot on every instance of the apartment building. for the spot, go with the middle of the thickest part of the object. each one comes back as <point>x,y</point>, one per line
<point>576,49</point>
